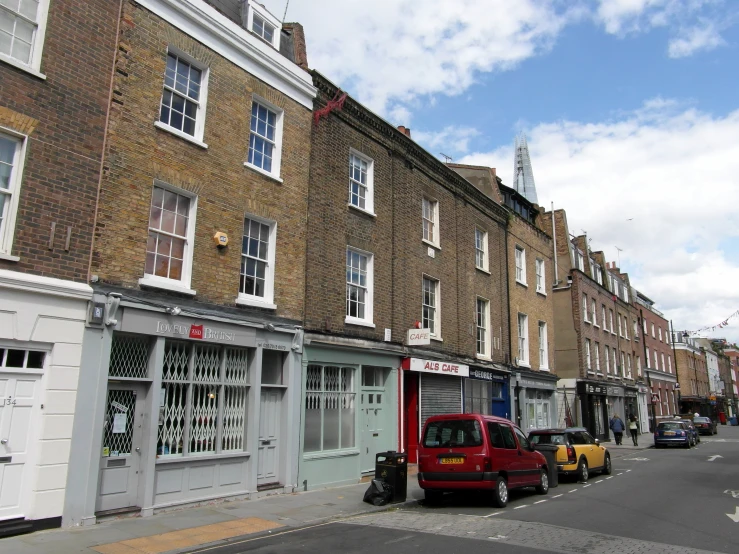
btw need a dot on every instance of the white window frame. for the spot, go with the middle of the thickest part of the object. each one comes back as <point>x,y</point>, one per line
<point>645,326</point>
<point>664,366</point>
<point>615,361</point>
<point>597,357</point>
<point>656,360</point>
<point>34,66</point>
<point>369,195</point>
<point>436,307</point>
<point>588,364</point>
<point>607,357</point>
<point>659,330</point>
<point>603,313</point>
<point>623,364</point>
<point>638,366</point>
<point>434,239</point>
<point>594,312</point>
<point>267,301</point>
<point>647,353</point>
<point>182,285</point>
<point>610,317</point>
<point>628,366</point>
<point>202,101</point>
<point>540,276</point>
<point>277,151</point>
<point>7,227</point>
<point>481,250</point>
<point>367,321</point>
<point>585,307</point>
<point>626,327</point>
<point>520,258</point>
<point>255,8</point>
<point>669,363</point>
<point>653,335</point>
<point>523,339</point>
<point>543,347</point>
<point>486,353</point>
<point>620,330</point>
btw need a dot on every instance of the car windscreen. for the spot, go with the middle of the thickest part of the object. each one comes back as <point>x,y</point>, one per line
<point>670,426</point>
<point>453,433</point>
<point>546,438</point>
<point>701,420</point>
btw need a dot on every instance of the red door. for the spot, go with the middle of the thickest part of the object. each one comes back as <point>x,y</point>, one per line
<point>410,409</point>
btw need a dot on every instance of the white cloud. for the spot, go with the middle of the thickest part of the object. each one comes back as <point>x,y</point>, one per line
<point>674,174</point>
<point>695,39</point>
<point>392,52</point>
<point>451,140</point>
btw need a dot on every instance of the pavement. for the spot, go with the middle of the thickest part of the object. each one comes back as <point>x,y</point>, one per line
<point>222,522</point>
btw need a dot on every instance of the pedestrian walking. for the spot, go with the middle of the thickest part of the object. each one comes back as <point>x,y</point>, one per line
<point>633,429</point>
<point>617,426</point>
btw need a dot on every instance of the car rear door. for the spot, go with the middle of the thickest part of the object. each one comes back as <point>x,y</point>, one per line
<point>529,459</point>
<point>510,459</point>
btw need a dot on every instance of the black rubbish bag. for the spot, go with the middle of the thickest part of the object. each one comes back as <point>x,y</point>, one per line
<point>378,493</point>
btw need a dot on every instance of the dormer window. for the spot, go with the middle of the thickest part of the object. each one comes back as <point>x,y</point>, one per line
<point>263,24</point>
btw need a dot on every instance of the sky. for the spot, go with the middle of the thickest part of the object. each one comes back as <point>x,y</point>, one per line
<point>630,108</point>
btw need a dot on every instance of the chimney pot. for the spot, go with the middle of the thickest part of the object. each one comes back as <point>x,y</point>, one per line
<point>405,130</point>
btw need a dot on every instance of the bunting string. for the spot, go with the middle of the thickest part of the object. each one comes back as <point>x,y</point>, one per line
<point>724,323</point>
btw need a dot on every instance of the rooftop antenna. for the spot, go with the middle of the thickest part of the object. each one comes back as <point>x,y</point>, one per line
<point>618,256</point>
<point>284,15</point>
<point>447,159</point>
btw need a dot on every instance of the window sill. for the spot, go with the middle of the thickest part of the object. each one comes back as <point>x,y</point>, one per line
<point>23,67</point>
<point>361,322</point>
<point>541,292</point>
<point>541,368</point>
<point>241,301</point>
<point>9,258</point>
<point>166,285</point>
<point>201,457</point>
<point>432,244</point>
<point>527,365</point>
<point>596,325</point>
<point>522,283</point>
<point>325,455</point>
<point>590,372</point>
<point>586,321</point>
<point>361,210</point>
<point>175,132</point>
<point>262,172</point>
<point>483,270</point>
<point>486,358</point>
<point>437,339</point>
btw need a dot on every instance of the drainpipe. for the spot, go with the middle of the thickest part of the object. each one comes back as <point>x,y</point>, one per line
<point>554,238</point>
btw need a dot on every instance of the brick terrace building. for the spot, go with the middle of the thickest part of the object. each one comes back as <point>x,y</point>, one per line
<point>530,277</point>
<point>391,246</point>
<point>732,382</point>
<point>192,375</point>
<point>692,374</point>
<point>658,360</point>
<point>56,61</point>
<point>594,321</point>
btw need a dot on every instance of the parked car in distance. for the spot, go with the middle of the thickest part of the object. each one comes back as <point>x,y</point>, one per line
<point>670,433</point>
<point>696,438</point>
<point>578,454</point>
<point>705,425</point>
<point>462,452</point>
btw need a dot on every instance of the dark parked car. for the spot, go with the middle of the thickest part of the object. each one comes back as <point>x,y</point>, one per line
<point>693,431</point>
<point>672,433</point>
<point>705,425</point>
<point>477,452</point>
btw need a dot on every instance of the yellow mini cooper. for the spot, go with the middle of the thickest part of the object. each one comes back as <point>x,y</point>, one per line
<point>578,452</point>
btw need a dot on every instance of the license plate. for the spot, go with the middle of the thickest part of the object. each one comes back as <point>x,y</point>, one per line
<point>669,433</point>
<point>452,461</point>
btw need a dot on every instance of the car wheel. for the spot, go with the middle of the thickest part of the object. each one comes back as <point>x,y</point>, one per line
<point>582,470</point>
<point>433,497</point>
<point>543,487</point>
<point>687,444</point>
<point>500,494</point>
<point>607,468</point>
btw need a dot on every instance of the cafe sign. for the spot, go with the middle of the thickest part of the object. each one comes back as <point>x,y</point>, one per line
<point>418,337</point>
<point>439,368</point>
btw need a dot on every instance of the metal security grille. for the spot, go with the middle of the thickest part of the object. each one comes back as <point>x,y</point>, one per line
<point>129,356</point>
<point>439,395</point>
<point>118,434</point>
<point>203,399</point>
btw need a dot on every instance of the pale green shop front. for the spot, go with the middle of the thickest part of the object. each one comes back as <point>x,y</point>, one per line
<point>350,412</point>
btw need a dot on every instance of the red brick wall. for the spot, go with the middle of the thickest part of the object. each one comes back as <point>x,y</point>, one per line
<point>64,117</point>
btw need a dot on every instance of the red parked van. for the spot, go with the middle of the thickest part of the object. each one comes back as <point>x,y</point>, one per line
<point>477,452</point>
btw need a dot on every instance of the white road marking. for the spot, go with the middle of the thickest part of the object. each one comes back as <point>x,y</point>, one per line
<point>493,514</point>
<point>539,501</point>
<point>628,470</point>
<point>712,458</point>
<point>573,490</point>
<point>620,473</point>
<point>558,496</point>
<point>599,481</point>
<point>585,486</point>
<point>735,516</point>
<point>521,506</point>
<point>611,477</point>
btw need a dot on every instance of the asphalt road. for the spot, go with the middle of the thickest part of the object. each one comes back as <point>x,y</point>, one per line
<point>656,501</point>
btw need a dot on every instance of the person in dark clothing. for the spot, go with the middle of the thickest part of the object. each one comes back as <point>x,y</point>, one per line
<point>617,426</point>
<point>633,429</point>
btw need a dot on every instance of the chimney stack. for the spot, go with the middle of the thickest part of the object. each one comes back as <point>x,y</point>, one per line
<point>299,50</point>
<point>405,130</point>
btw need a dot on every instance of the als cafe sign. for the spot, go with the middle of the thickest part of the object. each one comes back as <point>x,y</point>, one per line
<point>437,367</point>
<point>137,321</point>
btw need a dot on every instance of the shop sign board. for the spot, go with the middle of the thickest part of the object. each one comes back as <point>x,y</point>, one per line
<point>485,375</point>
<point>588,388</point>
<point>440,368</point>
<point>615,391</point>
<point>148,323</point>
<point>418,337</point>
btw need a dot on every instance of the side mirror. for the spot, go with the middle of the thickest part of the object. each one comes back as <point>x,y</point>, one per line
<point>597,442</point>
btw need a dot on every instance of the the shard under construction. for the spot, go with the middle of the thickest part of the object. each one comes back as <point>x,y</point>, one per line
<point>523,175</point>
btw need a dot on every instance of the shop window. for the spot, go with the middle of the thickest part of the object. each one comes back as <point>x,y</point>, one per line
<point>272,364</point>
<point>199,381</point>
<point>374,376</point>
<point>330,412</point>
<point>477,396</point>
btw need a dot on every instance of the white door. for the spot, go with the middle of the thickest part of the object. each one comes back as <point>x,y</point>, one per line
<point>18,408</point>
<point>269,430</point>
<point>121,455</point>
